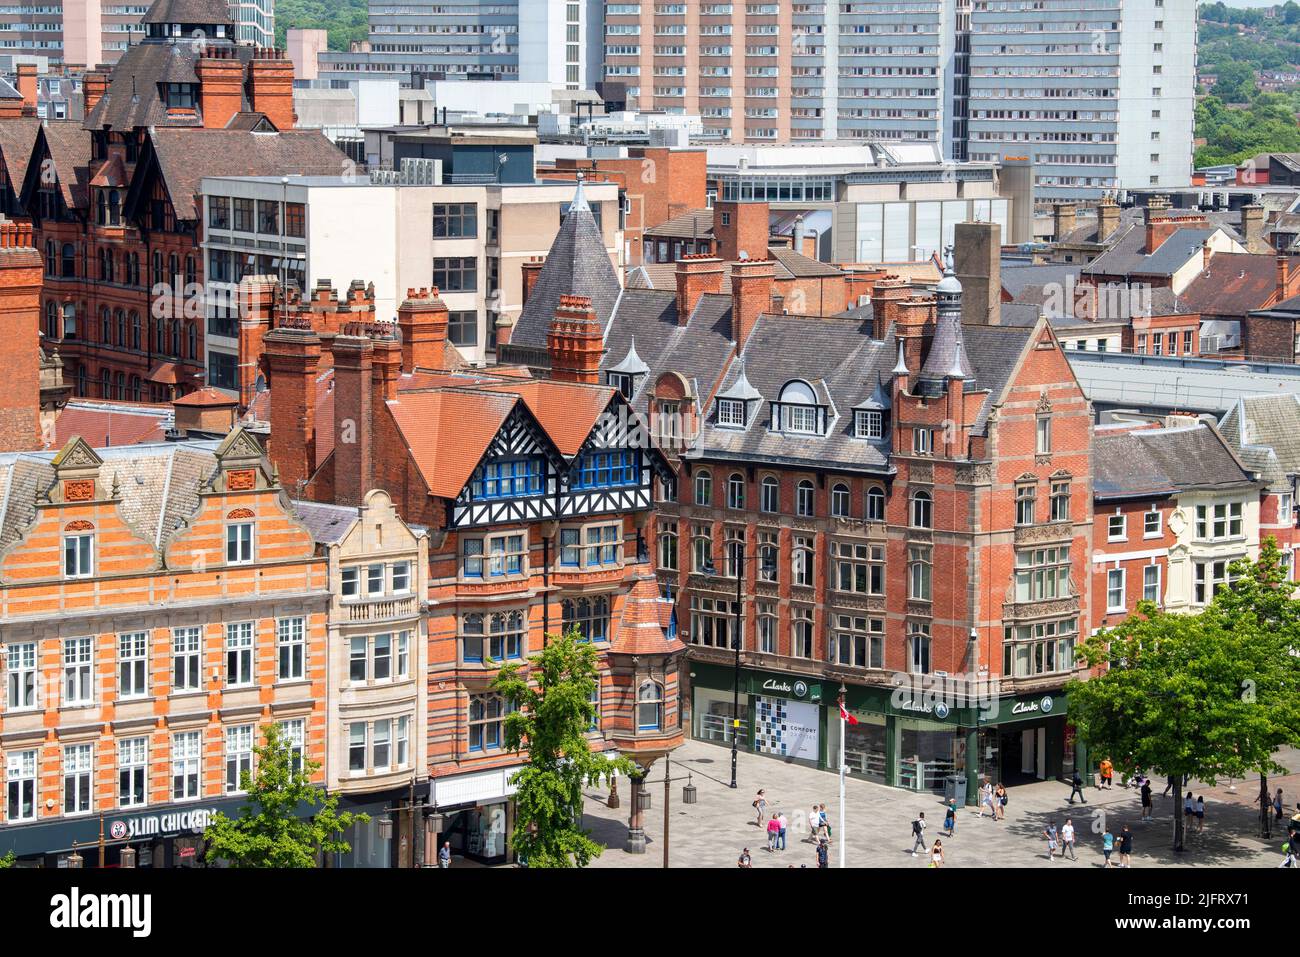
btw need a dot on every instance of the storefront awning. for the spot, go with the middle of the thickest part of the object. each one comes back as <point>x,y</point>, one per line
<point>474,788</point>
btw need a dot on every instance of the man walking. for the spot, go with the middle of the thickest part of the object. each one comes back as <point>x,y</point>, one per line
<point>1067,839</point>
<point>1146,800</point>
<point>1053,839</point>
<point>823,856</point>
<point>1076,783</point>
<point>1125,846</point>
<point>1107,773</point>
<point>444,855</point>
<point>814,823</point>
<point>918,833</point>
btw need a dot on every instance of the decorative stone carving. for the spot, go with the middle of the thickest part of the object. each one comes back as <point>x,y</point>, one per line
<point>79,490</point>
<point>1043,534</point>
<point>241,480</point>
<point>921,472</point>
<point>974,475</point>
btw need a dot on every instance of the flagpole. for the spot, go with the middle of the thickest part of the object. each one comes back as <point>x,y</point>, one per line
<point>842,730</point>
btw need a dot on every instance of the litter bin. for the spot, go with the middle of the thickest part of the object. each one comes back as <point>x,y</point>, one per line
<point>954,788</point>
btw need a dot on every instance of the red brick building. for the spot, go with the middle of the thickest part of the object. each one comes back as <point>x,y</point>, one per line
<point>112,199</point>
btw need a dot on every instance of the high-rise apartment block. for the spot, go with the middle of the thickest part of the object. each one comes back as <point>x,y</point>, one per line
<point>985,79</point>
<point>540,41</point>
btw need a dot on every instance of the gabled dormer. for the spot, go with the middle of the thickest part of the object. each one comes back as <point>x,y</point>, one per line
<point>800,410</point>
<point>871,416</point>
<point>77,474</point>
<point>628,375</point>
<point>736,405</point>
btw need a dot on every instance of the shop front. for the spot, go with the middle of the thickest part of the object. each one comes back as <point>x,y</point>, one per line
<point>781,715</point>
<point>166,836</point>
<point>1027,738</point>
<point>475,814</point>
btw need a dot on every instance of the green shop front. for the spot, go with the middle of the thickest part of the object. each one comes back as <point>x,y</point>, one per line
<point>903,739</point>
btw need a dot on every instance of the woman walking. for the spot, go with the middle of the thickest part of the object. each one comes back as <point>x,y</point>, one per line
<point>760,805</point>
<point>936,853</point>
<point>1277,806</point>
<point>1000,801</point>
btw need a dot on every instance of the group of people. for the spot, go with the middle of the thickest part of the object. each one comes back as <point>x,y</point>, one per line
<point>993,799</point>
<point>777,826</point>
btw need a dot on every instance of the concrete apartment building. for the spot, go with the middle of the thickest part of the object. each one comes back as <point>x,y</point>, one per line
<point>539,41</point>
<point>87,33</point>
<point>469,241</point>
<point>984,79</point>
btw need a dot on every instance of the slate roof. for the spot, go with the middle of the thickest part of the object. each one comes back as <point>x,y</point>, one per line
<point>133,98</point>
<point>328,524</point>
<point>577,265</point>
<point>188,11</point>
<point>186,156</point>
<point>69,147</point>
<point>800,266</point>
<point>1128,256</point>
<point>8,91</point>
<point>693,224</point>
<point>1234,284</point>
<point>1018,281</point>
<point>17,137</point>
<point>1133,463</point>
<point>1266,421</point>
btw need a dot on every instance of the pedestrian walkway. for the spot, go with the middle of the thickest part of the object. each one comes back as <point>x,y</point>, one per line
<point>712,832</point>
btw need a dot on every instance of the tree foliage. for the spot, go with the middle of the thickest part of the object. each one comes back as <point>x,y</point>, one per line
<point>1208,695</point>
<point>551,717</point>
<point>7,860</point>
<point>345,20</point>
<point>269,831</point>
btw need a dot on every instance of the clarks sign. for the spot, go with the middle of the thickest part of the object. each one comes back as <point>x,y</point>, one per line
<point>799,689</point>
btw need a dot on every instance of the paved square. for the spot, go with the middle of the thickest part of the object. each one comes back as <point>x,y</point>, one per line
<point>712,832</point>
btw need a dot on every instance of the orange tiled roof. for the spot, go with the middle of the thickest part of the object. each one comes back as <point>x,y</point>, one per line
<point>448,431</point>
<point>110,426</point>
<point>640,628</point>
<point>207,396</point>
<point>566,410</point>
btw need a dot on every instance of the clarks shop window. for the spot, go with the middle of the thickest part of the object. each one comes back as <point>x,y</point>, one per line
<point>925,753</point>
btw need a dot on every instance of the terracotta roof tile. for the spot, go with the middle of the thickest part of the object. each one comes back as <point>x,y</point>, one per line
<point>447,432</point>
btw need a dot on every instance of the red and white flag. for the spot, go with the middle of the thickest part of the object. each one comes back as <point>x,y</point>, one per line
<point>845,716</point>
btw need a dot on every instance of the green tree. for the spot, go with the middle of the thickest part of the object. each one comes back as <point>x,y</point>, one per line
<point>1206,695</point>
<point>551,715</point>
<point>269,831</point>
<point>7,860</point>
<point>1235,83</point>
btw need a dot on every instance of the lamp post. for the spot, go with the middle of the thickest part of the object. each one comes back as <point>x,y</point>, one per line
<point>736,554</point>
<point>408,838</point>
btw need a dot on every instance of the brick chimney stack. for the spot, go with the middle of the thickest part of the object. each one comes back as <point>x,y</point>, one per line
<point>292,354</point>
<point>1252,227</point>
<point>1107,217</point>
<point>270,87</point>
<point>20,294</point>
<point>353,401</point>
<point>741,229</point>
<point>1063,220</point>
<point>575,342</point>
<point>751,295</point>
<point>423,319</point>
<point>887,293</point>
<point>93,86</point>
<point>977,261</point>
<point>696,275</point>
<point>386,367</point>
<point>257,300</point>
<point>27,86</point>
<point>221,86</point>
<point>530,271</point>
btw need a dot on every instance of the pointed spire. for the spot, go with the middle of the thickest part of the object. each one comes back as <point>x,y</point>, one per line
<point>631,364</point>
<point>579,198</point>
<point>901,367</point>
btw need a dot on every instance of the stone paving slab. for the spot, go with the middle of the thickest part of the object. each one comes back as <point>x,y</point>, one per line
<point>712,832</point>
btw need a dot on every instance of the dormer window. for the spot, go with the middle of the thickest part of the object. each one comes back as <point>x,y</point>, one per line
<point>627,375</point>
<point>731,412</point>
<point>868,424</point>
<point>621,382</point>
<point>179,96</point>
<point>798,411</point>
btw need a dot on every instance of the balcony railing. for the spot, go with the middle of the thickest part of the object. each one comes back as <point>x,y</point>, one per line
<point>381,610</point>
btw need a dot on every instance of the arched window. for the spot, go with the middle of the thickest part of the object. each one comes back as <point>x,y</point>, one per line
<point>105,326</point>
<point>801,560</point>
<point>703,487</point>
<point>173,268</point>
<point>51,258</point>
<point>114,207</point>
<point>135,330</point>
<point>192,340</point>
<point>135,270</point>
<point>191,276</point>
<point>135,388</point>
<point>81,381</point>
<point>69,320</point>
<point>176,337</point>
<point>840,500</point>
<point>801,632</point>
<point>701,548</point>
<point>119,320</point>
<point>159,337</point>
<point>798,409</point>
<point>52,320</point>
<point>804,500</point>
<point>650,706</point>
<point>157,268</point>
<point>875,504</point>
<point>68,267</point>
<point>922,507</point>
<point>119,385</point>
<point>668,545</point>
<point>105,384</point>
<point>486,712</point>
<point>108,265</point>
<point>770,495</point>
<point>735,490</point>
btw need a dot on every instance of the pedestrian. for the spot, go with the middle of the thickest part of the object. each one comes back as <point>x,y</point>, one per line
<point>1147,805</point>
<point>950,817</point>
<point>1277,806</point>
<point>1107,773</point>
<point>1170,782</point>
<point>918,833</point>
<point>1125,846</point>
<point>1289,858</point>
<point>1107,846</point>
<point>1200,813</point>
<point>1067,839</point>
<point>444,855</point>
<point>1076,787</point>
<point>1000,801</point>
<point>814,823</point>
<point>760,805</point>
<point>783,822</point>
<point>936,853</point>
<point>825,822</point>
<point>823,856</point>
<point>1189,811</point>
<point>986,798</point>
<point>773,832</point>
<point>745,860</point>
<point>1053,838</point>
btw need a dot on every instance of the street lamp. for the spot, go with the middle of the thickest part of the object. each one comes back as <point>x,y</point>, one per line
<point>737,556</point>
<point>408,838</point>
